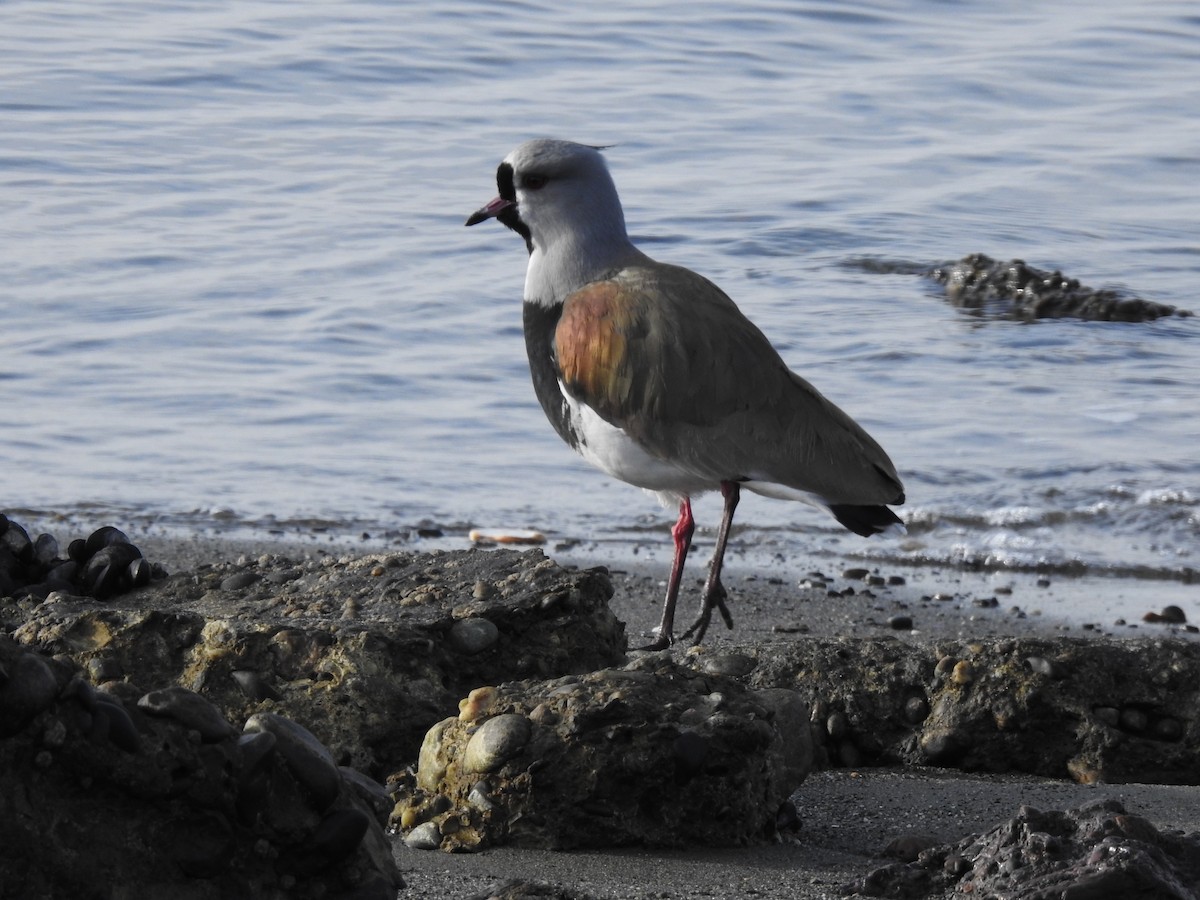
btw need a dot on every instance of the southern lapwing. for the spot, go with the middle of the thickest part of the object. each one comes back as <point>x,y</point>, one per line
<point>654,375</point>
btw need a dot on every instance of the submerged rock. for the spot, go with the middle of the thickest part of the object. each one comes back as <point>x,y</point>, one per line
<point>1020,291</point>
<point>654,753</point>
<point>1013,289</point>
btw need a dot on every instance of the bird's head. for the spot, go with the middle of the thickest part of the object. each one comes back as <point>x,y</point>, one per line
<point>552,190</point>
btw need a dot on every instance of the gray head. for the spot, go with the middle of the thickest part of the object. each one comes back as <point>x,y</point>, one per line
<point>556,190</point>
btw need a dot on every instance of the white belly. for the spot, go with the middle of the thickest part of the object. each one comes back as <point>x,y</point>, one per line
<point>610,449</point>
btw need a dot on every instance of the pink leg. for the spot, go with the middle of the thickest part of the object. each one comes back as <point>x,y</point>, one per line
<point>682,534</point>
<point>714,592</point>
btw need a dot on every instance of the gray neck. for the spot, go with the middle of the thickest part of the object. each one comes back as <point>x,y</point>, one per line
<point>559,268</point>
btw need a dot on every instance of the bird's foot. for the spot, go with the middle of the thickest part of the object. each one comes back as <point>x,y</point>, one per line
<point>662,642</point>
<point>714,598</point>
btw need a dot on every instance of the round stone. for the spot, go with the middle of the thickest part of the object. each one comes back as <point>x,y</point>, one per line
<point>496,742</point>
<point>190,710</point>
<point>426,836</point>
<point>474,635</point>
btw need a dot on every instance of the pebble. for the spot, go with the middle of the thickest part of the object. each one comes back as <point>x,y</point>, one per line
<point>239,581</point>
<point>945,666</point>
<point>308,759</point>
<point>963,673</point>
<point>478,797</point>
<point>735,665</point>
<point>426,836</point>
<point>498,740</point>
<point>943,745</point>
<point>474,635</point>
<point>476,704</point>
<point>900,623</point>
<point>916,709</point>
<point>189,709</point>
<point>855,573</point>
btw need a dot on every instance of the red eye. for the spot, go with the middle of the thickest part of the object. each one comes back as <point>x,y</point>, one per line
<point>533,182</point>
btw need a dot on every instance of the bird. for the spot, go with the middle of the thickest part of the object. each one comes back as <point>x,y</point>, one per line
<point>655,376</point>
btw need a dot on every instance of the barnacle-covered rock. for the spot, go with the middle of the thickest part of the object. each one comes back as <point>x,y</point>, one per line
<point>1017,290</point>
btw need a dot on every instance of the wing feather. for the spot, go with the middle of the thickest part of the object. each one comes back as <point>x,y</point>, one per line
<point>665,355</point>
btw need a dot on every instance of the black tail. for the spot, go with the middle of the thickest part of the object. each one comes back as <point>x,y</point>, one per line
<point>865,520</point>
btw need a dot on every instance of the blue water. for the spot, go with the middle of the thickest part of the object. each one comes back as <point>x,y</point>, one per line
<point>237,291</point>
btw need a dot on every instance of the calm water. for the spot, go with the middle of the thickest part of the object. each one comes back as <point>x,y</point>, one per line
<point>237,291</point>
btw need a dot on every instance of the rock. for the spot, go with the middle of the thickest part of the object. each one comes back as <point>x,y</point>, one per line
<point>426,836</point>
<point>474,635</point>
<point>189,709</point>
<point>309,761</point>
<point>1097,851</point>
<point>1055,707</point>
<point>1017,290</point>
<point>125,797</point>
<point>698,759</point>
<point>497,740</point>
<point>371,685</point>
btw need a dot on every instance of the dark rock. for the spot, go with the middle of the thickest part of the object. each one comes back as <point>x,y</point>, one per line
<point>1098,851</point>
<point>1013,289</point>
<point>309,761</point>
<point>189,709</point>
<point>98,798</point>
<point>1055,707</point>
